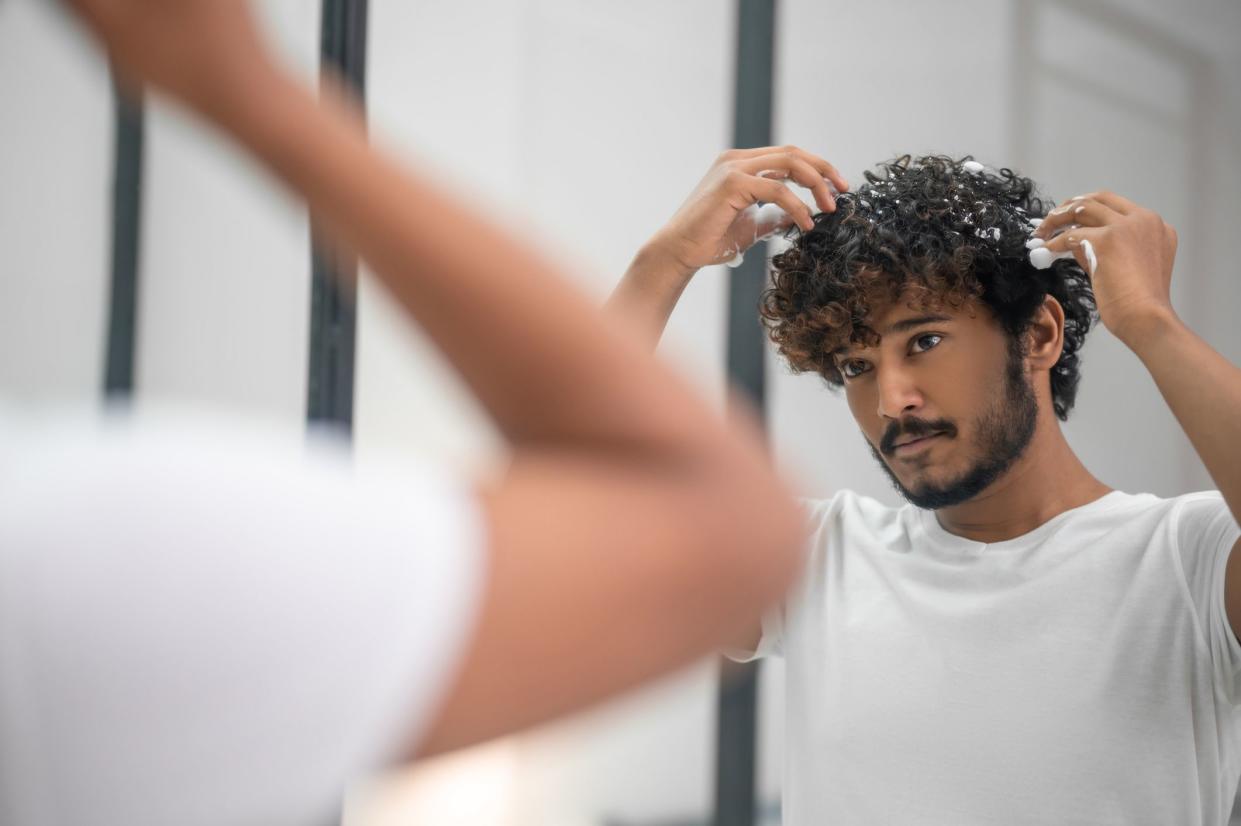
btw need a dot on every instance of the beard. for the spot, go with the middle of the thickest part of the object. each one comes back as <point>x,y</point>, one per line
<point>1003,433</point>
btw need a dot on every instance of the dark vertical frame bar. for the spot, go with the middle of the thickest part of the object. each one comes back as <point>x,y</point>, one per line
<point>1023,34</point>
<point>756,21</point>
<point>334,274</point>
<point>736,741</point>
<point>126,232</point>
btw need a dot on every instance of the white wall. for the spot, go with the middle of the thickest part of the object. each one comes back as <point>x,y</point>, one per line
<point>224,285</point>
<point>56,144</point>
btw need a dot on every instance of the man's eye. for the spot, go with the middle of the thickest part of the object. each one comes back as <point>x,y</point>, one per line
<point>926,342</point>
<point>852,369</point>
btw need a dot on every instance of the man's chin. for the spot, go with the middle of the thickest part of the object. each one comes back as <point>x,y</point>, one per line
<point>933,494</point>
<point>934,486</point>
<point>935,498</point>
<point>922,482</point>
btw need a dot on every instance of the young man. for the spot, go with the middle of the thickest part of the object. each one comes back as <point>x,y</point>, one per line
<point>1020,643</point>
<point>202,625</point>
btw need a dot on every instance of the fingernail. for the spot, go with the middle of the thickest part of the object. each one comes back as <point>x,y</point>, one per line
<point>1035,243</point>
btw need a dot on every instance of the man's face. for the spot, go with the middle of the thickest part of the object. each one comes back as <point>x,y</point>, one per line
<point>942,399</point>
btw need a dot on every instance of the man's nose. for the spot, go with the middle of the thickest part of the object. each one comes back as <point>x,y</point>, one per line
<point>898,394</point>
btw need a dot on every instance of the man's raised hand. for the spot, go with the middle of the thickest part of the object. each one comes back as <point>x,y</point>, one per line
<point>1128,251</point>
<point>721,218</point>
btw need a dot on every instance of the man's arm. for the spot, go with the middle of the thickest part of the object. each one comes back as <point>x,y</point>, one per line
<point>1129,252</point>
<point>720,220</point>
<point>633,529</point>
<point>1203,389</point>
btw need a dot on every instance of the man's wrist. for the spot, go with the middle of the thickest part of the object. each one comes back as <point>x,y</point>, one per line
<point>1144,330</point>
<point>655,263</point>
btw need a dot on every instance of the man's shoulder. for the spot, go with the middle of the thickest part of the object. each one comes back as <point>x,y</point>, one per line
<point>1142,520</point>
<point>850,512</point>
<point>1203,518</point>
<point>1150,508</point>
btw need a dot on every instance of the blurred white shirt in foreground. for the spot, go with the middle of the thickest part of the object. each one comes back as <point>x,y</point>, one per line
<point>202,621</point>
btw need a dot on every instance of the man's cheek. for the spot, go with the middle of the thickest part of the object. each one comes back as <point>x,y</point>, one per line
<point>864,416</point>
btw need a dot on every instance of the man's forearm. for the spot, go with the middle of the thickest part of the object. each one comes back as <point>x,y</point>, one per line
<point>648,293</point>
<point>1203,389</point>
<point>532,350</point>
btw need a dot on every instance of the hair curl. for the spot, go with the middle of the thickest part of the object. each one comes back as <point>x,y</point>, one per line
<point>938,231</point>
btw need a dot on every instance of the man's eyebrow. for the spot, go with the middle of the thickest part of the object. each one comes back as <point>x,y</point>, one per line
<point>904,325</point>
<point>909,323</point>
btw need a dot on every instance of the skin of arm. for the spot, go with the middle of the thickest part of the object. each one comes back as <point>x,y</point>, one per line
<point>1203,390</point>
<point>716,222</point>
<point>633,529</point>
<point>648,292</point>
<point>1129,252</point>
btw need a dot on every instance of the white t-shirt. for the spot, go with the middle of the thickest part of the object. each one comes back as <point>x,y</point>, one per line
<point>1084,673</point>
<point>207,623</point>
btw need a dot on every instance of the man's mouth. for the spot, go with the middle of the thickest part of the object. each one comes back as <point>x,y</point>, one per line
<point>914,445</point>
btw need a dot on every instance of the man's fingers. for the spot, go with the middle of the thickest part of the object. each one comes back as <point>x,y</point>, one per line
<point>824,168</point>
<point>1080,211</point>
<point>1081,242</point>
<point>1068,241</point>
<point>1118,203</point>
<point>775,192</point>
<point>794,167</point>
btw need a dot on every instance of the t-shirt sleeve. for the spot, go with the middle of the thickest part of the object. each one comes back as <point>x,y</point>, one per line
<point>1205,533</point>
<point>202,628</point>
<point>770,643</point>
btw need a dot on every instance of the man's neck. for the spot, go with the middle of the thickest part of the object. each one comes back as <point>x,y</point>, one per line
<point>1046,481</point>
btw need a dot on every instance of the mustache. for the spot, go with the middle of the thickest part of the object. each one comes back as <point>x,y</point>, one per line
<point>915,428</point>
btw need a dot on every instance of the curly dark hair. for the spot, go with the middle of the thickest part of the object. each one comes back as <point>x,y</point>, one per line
<point>939,231</point>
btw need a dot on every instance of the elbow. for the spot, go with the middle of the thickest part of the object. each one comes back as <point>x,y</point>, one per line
<point>756,543</point>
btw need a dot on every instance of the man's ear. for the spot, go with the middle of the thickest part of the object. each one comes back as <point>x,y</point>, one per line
<point>1045,337</point>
